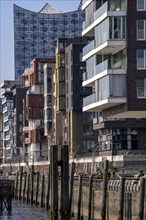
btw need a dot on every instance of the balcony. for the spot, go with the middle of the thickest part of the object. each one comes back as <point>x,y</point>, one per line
<point>103,45</point>
<point>8,127</point>
<point>85,3</point>
<point>111,92</point>
<point>88,48</point>
<point>26,140</point>
<point>7,108</point>
<point>26,128</point>
<point>102,69</point>
<point>99,105</point>
<point>7,137</point>
<point>112,9</point>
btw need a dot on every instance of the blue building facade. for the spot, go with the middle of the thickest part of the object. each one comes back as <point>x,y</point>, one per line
<point>35,33</point>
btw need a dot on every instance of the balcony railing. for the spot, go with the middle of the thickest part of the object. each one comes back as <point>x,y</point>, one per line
<point>96,70</point>
<point>89,47</point>
<point>105,65</point>
<point>89,100</point>
<point>99,12</point>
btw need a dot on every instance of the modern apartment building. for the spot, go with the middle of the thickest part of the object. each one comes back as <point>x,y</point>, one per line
<point>7,110</point>
<point>72,126</point>
<point>116,70</point>
<point>35,143</point>
<point>35,33</point>
<point>18,97</point>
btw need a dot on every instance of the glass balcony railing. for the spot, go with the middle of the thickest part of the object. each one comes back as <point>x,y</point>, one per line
<point>105,65</point>
<point>100,11</point>
<point>89,47</point>
<point>89,100</point>
<point>96,70</point>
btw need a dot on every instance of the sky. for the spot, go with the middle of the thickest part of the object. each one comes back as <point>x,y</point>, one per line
<point>7,33</point>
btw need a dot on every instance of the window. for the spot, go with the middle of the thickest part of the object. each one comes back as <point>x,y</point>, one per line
<point>141,59</point>
<point>141,5</point>
<point>141,88</point>
<point>141,30</point>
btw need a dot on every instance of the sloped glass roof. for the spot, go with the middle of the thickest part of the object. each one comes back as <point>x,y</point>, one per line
<point>49,9</point>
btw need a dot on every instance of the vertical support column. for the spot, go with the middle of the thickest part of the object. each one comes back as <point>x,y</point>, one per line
<point>16,186</point>
<point>48,189</point>
<point>54,181</point>
<point>122,196</point>
<point>20,185</point>
<point>65,182</point>
<point>37,188</point>
<point>28,188</point>
<point>141,200</point>
<point>32,183</point>
<point>24,187</point>
<point>79,198</point>
<point>90,196</point>
<point>105,182</point>
<point>73,165</point>
<point>42,190</point>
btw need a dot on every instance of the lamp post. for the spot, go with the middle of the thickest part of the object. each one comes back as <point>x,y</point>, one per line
<point>93,155</point>
<point>75,152</point>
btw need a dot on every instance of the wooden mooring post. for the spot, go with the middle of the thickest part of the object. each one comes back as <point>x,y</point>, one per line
<point>47,205</point>
<point>141,200</point>
<point>54,181</point>
<point>79,198</point>
<point>121,199</point>
<point>105,182</point>
<point>73,165</point>
<point>90,196</point>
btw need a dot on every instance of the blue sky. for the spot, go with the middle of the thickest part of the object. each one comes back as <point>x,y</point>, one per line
<point>6,28</point>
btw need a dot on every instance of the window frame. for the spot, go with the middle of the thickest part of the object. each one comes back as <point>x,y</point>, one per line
<point>141,68</point>
<point>144,9</point>
<point>144,88</point>
<point>144,30</point>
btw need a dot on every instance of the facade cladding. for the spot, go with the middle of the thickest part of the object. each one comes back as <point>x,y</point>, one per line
<point>35,33</point>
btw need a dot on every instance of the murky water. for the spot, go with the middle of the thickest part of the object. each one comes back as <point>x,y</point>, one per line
<point>21,211</point>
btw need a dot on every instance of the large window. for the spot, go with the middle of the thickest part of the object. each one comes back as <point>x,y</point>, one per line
<point>141,30</point>
<point>141,5</point>
<point>141,59</point>
<point>141,88</point>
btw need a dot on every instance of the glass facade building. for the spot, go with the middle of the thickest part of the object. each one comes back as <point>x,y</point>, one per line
<point>35,33</point>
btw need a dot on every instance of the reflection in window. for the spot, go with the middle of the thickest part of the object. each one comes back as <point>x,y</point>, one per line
<point>141,59</point>
<point>141,5</point>
<point>141,29</point>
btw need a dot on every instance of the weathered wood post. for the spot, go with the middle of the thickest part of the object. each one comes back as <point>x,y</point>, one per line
<point>32,183</point>
<point>20,183</point>
<point>79,198</point>
<point>54,181</point>
<point>28,188</point>
<point>16,186</point>
<point>24,187</point>
<point>142,196</point>
<point>65,182</point>
<point>105,182</point>
<point>42,190</point>
<point>37,188</point>
<point>121,199</point>
<point>73,165</point>
<point>48,189</point>
<point>90,196</point>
